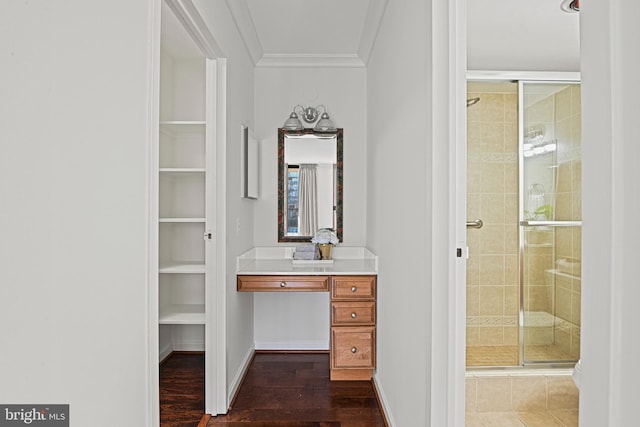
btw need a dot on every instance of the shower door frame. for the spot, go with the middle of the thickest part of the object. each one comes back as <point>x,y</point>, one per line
<point>521,78</point>
<point>523,223</point>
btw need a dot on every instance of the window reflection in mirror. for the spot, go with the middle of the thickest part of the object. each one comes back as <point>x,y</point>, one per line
<point>309,184</point>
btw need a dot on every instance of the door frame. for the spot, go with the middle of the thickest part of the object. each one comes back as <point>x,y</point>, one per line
<point>216,401</point>
<point>448,192</point>
<point>519,78</point>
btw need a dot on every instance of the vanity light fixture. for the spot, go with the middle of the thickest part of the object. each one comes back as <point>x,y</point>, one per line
<point>570,5</point>
<point>293,122</point>
<point>310,115</point>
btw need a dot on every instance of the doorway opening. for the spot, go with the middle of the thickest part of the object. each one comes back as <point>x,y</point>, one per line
<point>524,185</point>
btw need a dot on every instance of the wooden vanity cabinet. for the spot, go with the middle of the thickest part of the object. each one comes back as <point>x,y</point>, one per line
<point>291,283</point>
<point>353,327</point>
<point>352,345</point>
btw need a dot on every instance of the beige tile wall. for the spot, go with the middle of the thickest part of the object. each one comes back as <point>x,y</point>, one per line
<point>567,278</point>
<point>552,257</point>
<point>492,190</point>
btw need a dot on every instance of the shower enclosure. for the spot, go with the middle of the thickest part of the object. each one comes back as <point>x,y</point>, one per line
<point>524,184</point>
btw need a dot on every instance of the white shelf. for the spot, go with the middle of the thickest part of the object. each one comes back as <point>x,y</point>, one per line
<point>182,268</point>
<point>182,123</point>
<point>182,220</point>
<point>182,314</point>
<point>182,126</point>
<point>182,170</point>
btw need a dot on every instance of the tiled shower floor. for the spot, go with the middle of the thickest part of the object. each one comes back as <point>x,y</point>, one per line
<point>508,355</point>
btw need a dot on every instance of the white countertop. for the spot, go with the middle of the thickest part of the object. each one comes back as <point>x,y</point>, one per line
<point>279,261</point>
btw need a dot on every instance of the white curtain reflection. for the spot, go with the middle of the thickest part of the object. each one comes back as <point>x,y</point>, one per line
<point>308,200</point>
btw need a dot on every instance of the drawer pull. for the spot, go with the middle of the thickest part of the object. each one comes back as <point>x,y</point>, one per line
<point>283,284</point>
<point>354,350</point>
<point>354,315</point>
<point>353,289</point>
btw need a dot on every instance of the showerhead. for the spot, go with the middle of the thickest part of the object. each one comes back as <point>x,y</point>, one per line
<point>472,101</point>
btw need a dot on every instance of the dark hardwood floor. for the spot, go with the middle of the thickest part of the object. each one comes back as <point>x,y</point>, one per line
<point>182,390</point>
<point>293,390</point>
<point>279,390</point>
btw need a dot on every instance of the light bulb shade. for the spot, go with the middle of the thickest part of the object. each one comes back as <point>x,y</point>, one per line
<point>324,124</point>
<point>293,122</point>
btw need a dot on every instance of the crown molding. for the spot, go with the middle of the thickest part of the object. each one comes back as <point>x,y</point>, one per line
<point>247,29</point>
<point>372,22</point>
<point>308,60</point>
<point>188,15</point>
<point>244,23</point>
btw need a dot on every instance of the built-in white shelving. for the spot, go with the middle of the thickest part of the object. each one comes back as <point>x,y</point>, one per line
<point>180,126</point>
<point>182,174</point>
<point>168,220</point>
<point>182,170</point>
<point>182,314</point>
<point>182,268</point>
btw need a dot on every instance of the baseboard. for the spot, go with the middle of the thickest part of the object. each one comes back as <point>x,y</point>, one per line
<point>383,403</point>
<point>165,352</point>
<point>189,345</point>
<point>172,353</point>
<point>185,338</point>
<point>235,384</point>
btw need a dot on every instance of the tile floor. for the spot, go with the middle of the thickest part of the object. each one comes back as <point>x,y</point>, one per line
<point>508,355</point>
<point>568,418</point>
<point>521,399</point>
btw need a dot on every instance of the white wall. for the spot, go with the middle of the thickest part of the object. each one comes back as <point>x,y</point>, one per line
<point>73,186</point>
<point>518,35</point>
<point>281,320</point>
<point>74,174</point>
<point>611,201</point>
<point>398,206</point>
<point>343,92</point>
<point>239,213</point>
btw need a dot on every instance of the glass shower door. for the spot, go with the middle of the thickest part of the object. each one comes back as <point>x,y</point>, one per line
<point>550,222</point>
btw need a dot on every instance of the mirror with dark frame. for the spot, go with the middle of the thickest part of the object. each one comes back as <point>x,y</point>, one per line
<point>309,183</point>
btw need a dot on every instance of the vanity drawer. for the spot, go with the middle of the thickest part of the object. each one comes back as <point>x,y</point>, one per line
<point>353,347</point>
<point>283,283</point>
<point>353,313</point>
<point>353,287</point>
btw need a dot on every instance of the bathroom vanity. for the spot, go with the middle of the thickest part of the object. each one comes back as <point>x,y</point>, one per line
<point>351,280</point>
